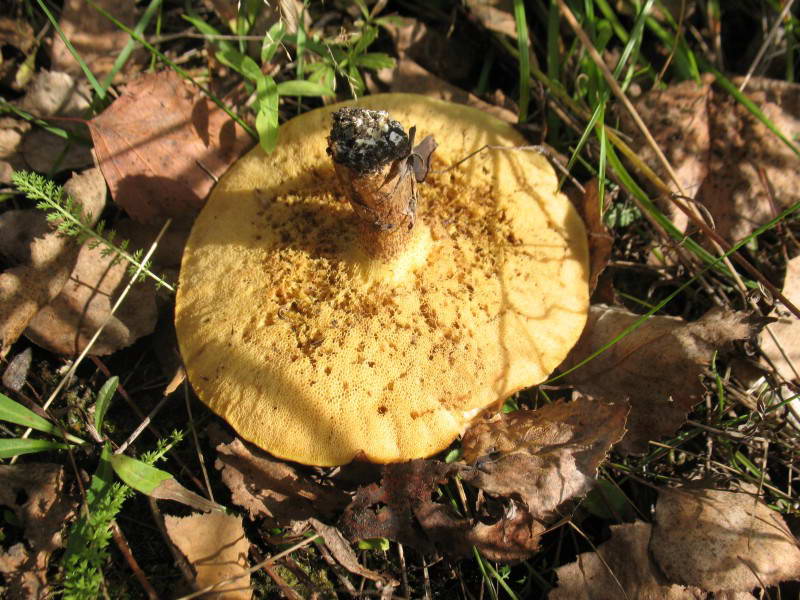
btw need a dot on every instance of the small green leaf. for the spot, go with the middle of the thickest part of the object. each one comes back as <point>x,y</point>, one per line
<point>368,36</point>
<point>140,476</point>
<point>297,87</point>
<point>104,397</point>
<point>374,544</point>
<point>250,69</point>
<point>267,115</point>
<point>156,483</point>
<point>16,446</point>
<point>374,61</point>
<point>14,412</point>
<point>272,41</point>
<point>453,456</point>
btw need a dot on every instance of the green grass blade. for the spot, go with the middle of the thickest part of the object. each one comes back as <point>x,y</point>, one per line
<point>98,89</point>
<point>17,446</point>
<point>124,55</point>
<point>104,397</point>
<point>267,115</point>
<point>524,59</point>
<point>13,412</point>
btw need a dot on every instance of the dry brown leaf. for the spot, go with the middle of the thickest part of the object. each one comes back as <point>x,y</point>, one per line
<point>722,540</point>
<point>51,94</point>
<point>67,324</point>
<point>16,373</point>
<point>657,367</point>
<point>216,546</point>
<point>15,33</point>
<point>12,132</point>
<point>343,553</point>
<point>600,242</point>
<point>704,133</point>
<point>678,119</point>
<point>787,328</point>
<point>162,144</point>
<point>401,509</point>
<point>495,15</point>
<point>543,457</point>
<point>267,487</point>
<point>35,494</point>
<point>97,39</point>
<point>621,568</point>
<point>43,259</point>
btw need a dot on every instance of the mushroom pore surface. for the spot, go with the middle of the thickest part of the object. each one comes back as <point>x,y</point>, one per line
<point>319,353</point>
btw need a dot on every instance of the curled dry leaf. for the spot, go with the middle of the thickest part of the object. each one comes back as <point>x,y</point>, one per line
<point>644,366</point>
<point>722,540</point>
<point>271,488</point>
<point>35,494</point>
<point>216,546</point>
<point>42,258</point>
<point>97,39</point>
<point>600,242</point>
<point>401,508</point>
<point>620,568</point>
<point>344,554</point>
<point>703,131</point>
<point>780,341</point>
<point>161,146</point>
<point>543,457</point>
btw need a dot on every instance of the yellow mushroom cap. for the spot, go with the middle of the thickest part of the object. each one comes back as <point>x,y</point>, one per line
<point>319,354</point>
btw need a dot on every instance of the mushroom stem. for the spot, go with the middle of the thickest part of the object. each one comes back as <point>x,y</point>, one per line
<point>371,153</point>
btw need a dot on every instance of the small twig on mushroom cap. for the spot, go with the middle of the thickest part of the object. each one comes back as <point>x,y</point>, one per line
<point>379,168</point>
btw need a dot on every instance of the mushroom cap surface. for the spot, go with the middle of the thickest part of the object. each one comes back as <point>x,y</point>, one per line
<point>318,354</point>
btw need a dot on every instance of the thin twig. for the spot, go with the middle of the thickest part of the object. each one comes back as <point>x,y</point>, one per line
<point>125,549</point>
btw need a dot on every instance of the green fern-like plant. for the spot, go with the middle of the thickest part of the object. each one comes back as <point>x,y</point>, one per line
<point>69,218</point>
<point>87,546</point>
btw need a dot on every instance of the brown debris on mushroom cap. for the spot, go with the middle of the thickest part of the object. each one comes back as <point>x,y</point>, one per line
<point>319,354</point>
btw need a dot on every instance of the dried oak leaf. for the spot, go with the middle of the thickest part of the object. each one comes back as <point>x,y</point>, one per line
<point>216,546</point>
<point>543,457</point>
<point>657,368</point>
<point>98,40</point>
<point>162,144</point>
<point>786,330</point>
<point>620,568</point>
<point>722,540</point>
<point>35,494</point>
<point>271,488</point>
<point>401,508</point>
<point>41,258</point>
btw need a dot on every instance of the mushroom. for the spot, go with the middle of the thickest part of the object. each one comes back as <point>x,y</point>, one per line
<point>324,333</point>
